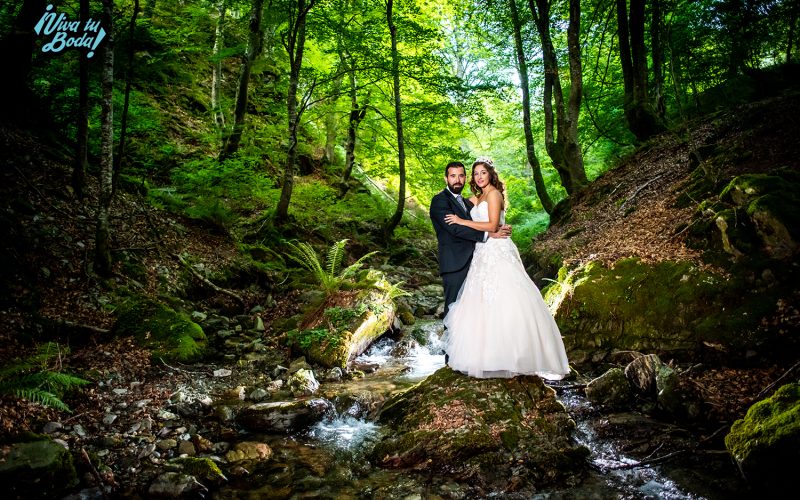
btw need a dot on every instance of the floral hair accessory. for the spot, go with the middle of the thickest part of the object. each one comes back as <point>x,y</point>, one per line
<point>483,159</point>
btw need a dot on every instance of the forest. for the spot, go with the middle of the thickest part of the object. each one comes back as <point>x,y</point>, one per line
<point>220,276</point>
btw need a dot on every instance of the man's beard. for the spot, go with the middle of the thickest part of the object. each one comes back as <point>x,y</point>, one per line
<point>455,188</point>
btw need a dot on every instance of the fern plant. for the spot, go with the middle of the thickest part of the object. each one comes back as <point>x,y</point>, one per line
<point>32,379</point>
<point>330,276</point>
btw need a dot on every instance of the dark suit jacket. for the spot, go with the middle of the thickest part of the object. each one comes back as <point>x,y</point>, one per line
<point>456,243</point>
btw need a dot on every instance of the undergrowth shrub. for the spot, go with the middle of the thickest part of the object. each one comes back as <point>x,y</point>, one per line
<point>38,377</point>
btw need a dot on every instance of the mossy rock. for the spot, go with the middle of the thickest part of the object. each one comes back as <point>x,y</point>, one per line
<point>755,216</point>
<point>479,429</point>
<point>37,469</point>
<point>169,334</point>
<point>343,327</point>
<point>766,443</point>
<point>203,468</point>
<point>663,306</point>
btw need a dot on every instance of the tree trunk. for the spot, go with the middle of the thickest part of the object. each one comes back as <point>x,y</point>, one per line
<point>658,59</point>
<point>356,115</point>
<point>331,122</point>
<point>82,135</point>
<point>398,115</point>
<point>102,236</point>
<point>639,112</point>
<point>792,26</point>
<point>216,72</point>
<point>18,48</point>
<point>123,127</point>
<point>573,156</point>
<point>295,44</point>
<point>522,68</point>
<point>254,43</point>
<point>561,137</point>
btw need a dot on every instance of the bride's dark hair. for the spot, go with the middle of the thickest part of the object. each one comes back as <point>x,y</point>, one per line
<point>494,179</point>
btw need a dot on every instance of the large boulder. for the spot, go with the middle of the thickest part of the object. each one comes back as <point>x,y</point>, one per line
<point>664,306</point>
<point>761,212</point>
<point>283,416</point>
<point>36,469</point>
<point>493,432</point>
<point>610,389</point>
<point>766,442</point>
<point>336,332</point>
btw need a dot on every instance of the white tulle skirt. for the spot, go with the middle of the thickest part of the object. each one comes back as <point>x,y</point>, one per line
<point>499,325</point>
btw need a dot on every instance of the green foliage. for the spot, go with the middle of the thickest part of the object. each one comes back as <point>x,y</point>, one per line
<point>171,335</point>
<point>330,276</point>
<point>305,339</point>
<point>32,378</point>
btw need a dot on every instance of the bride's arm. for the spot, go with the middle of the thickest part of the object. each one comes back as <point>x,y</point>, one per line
<point>495,200</point>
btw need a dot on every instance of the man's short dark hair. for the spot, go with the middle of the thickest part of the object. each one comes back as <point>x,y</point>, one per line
<point>453,164</point>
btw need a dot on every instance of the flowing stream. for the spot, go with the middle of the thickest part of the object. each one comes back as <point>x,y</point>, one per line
<point>328,461</point>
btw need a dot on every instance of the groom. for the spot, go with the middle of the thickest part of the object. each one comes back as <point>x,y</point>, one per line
<point>456,242</point>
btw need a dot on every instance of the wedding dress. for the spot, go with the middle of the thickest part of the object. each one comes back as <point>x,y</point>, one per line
<point>499,326</point>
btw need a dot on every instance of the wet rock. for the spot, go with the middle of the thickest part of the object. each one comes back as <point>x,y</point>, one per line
<point>668,391</point>
<point>37,469</point>
<point>766,442</point>
<point>303,383</point>
<point>167,444</point>
<point>202,468</point>
<point>224,413</point>
<point>202,444</point>
<point>186,448</point>
<point>641,373</point>
<point>334,374</point>
<point>52,427</point>
<point>249,450</point>
<point>222,372</point>
<point>235,393</point>
<point>486,429</point>
<point>176,485</point>
<point>299,364</point>
<point>283,416</point>
<point>279,371</point>
<point>258,394</point>
<point>80,431</point>
<point>109,418</point>
<point>610,389</point>
<point>166,415</point>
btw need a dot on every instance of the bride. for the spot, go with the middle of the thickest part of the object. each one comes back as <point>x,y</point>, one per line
<point>499,326</point>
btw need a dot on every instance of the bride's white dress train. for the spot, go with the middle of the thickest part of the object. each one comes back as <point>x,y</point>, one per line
<point>499,326</point>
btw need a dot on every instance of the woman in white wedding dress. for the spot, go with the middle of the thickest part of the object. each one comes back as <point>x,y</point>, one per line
<point>499,326</point>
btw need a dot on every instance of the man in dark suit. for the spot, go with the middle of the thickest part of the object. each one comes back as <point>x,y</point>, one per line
<point>456,242</point>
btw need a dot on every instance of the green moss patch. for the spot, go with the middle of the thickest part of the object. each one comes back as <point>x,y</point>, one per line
<point>766,443</point>
<point>663,306</point>
<point>169,334</point>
